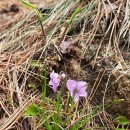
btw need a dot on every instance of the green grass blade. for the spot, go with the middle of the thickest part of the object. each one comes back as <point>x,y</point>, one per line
<point>45,83</point>
<point>74,14</point>
<point>44,88</point>
<point>58,107</point>
<point>29,5</point>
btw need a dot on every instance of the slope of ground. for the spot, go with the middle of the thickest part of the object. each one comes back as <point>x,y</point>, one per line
<point>93,48</point>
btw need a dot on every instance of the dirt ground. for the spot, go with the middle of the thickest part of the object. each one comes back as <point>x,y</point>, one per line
<point>108,77</point>
<point>10,12</point>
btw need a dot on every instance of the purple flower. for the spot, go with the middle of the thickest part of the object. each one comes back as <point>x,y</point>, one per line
<point>77,89</point>
<point>55,80</point>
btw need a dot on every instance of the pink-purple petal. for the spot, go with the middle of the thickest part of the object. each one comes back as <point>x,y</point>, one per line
<point>54,88</point>
<point>71,85</point>
<point>81,83</point>
<point>82,89</point>
<point>77,89</point>
<point>76,97</point>
<point>54,81</point>
<point>54,75</point>
<point>50,82</point>
<point>83,94</point>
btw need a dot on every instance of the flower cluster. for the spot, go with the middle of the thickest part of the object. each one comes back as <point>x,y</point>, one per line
<point>76,89</point>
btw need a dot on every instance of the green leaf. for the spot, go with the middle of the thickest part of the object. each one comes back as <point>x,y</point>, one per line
<point>29,5</point>
<point>32,110</point>
<point>44,87</point>
<point>35,64</point>
<point>32,7</point>
<point>115,101</point>
<point>122,120</point>
<point>74,14</point>
<point>121,129</point>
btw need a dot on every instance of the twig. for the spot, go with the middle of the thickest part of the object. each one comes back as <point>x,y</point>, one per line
<point>63,35</point>
<point>43,32</point>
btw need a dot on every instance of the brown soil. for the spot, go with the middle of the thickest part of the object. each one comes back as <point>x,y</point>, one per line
<point>108,84</point>
<point>10,12</point>
<point>108,78</point>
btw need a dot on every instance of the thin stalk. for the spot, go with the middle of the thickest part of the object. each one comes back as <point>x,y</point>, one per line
<point>43,32</point>
<point>44,88</point>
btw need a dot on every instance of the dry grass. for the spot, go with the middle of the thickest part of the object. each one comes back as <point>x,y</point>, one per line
<point>104,23</point>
